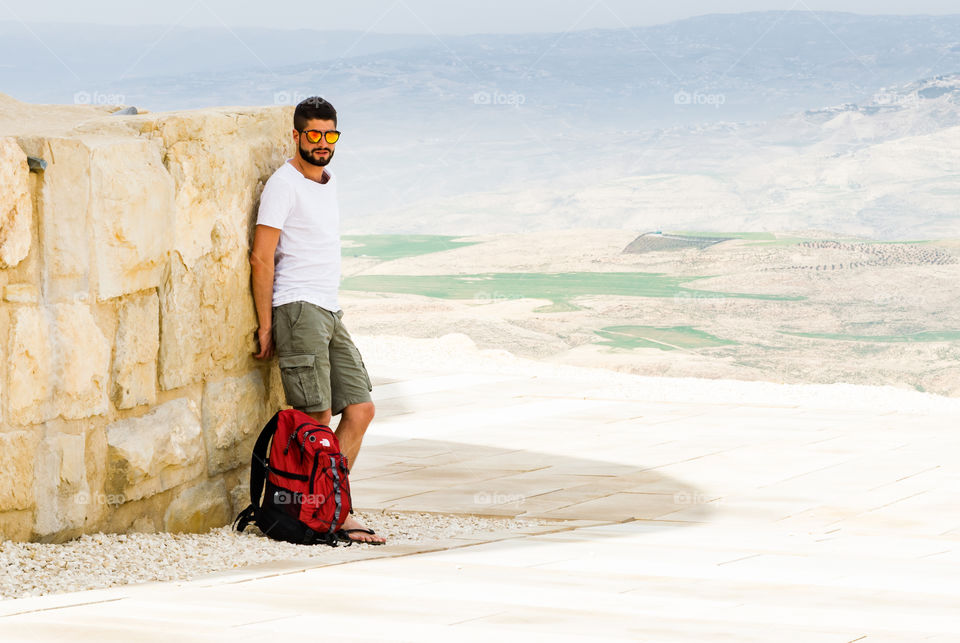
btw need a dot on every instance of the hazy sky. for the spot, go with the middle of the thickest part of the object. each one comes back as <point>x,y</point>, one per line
<point>426,16</point>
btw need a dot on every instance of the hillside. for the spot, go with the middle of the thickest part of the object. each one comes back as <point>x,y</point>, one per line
<point>778,308</point>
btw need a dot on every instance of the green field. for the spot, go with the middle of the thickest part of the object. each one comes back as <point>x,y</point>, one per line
<point>925,336</point>
<point>559,288</point>
<point>665,338</point>
<point>397,246</point>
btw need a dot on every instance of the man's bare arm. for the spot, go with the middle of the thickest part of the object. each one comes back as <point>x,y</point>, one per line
<point>265,241</point>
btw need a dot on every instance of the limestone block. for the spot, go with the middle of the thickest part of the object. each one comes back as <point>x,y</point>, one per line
<point>21,294</point>
<point>64,228</point>
<point>277,398</point>
<point>156,452</point>
<point>16,525</point>
<point>219,182</point>
<point>131,208</point>
<point>96,464</point>
<point>17,455</point>
<point>16,211</point>
<point>135,358</point>
<point>62,493</point>
<point>182,355</point>
<point>199,508</point>
<point>207,316</point>
<point>29,367</point>
<point>228,313</point>
<point>240,494</point>
<point>233,412</point>
<point>143,525</point>
<point>82,363</point>
<point>56,368</point>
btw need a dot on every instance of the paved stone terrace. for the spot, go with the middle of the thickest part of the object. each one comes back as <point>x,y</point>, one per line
<point>667,521</point>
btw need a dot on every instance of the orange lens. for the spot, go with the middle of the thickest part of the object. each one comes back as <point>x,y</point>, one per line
<point>314,136</point>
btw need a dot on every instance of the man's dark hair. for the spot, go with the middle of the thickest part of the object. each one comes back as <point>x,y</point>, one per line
<point>313,108</point>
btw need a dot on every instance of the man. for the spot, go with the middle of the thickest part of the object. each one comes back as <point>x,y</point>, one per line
<point>296,275</point>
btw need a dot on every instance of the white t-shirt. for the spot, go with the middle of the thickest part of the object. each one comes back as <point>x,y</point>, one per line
<point>307,260</point>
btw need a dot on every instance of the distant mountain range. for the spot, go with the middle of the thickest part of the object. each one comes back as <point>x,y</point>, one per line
<point>887,168</point>
<point>731,66</point>
<point>491,131</point>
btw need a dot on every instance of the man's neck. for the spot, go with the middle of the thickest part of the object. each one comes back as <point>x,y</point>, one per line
<point>310,171</point>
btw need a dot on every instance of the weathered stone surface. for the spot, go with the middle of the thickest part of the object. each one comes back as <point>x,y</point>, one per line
<point>30,381</point>
<point>233,412</point>
<point>277,398</point>
<point>228,312</point>
<point>143,525</point>
<point>126,206</point>
<point>131,204</point>
<point>56,368</point>
<point>16,525</point>
<point>199,508</point>
<point>82,363</point>
<point>16,210</point>
<point>155,452</point>
<point>207,285</point>
<point>100,504</point>
<point>17,455</point>
<point>62,493</point>
<point>135,358</point>
<point>182,354</point>
<point>21,294</point>
<point>240,494</point>
<point>64,231</point>
<point>207,316</point>
<point>219,183</point>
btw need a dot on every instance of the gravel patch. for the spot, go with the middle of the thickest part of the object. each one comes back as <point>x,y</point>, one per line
<point>110,560</point>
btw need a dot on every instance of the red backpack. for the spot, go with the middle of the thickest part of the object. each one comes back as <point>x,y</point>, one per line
<point>307,495</point>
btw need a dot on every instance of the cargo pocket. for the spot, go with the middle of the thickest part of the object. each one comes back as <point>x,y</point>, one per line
<point>300,381</point>
<point>363,367</point>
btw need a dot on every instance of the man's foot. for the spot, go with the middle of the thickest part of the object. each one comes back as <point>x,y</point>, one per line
<point>354,531</point>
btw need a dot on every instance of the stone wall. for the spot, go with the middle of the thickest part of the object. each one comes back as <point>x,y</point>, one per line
<point>129,397</point>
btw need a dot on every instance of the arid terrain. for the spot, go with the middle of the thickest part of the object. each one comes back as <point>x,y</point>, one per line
<point>799,308</point>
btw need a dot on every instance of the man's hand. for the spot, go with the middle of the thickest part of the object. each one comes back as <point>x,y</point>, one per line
<point>265,338</point>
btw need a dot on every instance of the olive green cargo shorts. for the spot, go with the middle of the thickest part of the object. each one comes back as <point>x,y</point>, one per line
<point>320,366</point>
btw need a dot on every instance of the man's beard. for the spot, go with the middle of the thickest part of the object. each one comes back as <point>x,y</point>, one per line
<point>309,158</point>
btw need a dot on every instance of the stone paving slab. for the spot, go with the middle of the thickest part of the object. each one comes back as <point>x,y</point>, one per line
<point>672,521</point>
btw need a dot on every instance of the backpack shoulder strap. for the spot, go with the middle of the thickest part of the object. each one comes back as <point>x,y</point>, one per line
<point>258,463</point>
<point>244,518</point>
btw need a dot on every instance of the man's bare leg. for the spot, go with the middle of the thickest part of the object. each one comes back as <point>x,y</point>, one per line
<point>353,424</point>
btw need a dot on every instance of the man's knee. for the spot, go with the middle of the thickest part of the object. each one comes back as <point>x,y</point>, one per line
<point>361,413</point>
<point>323,417</point>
